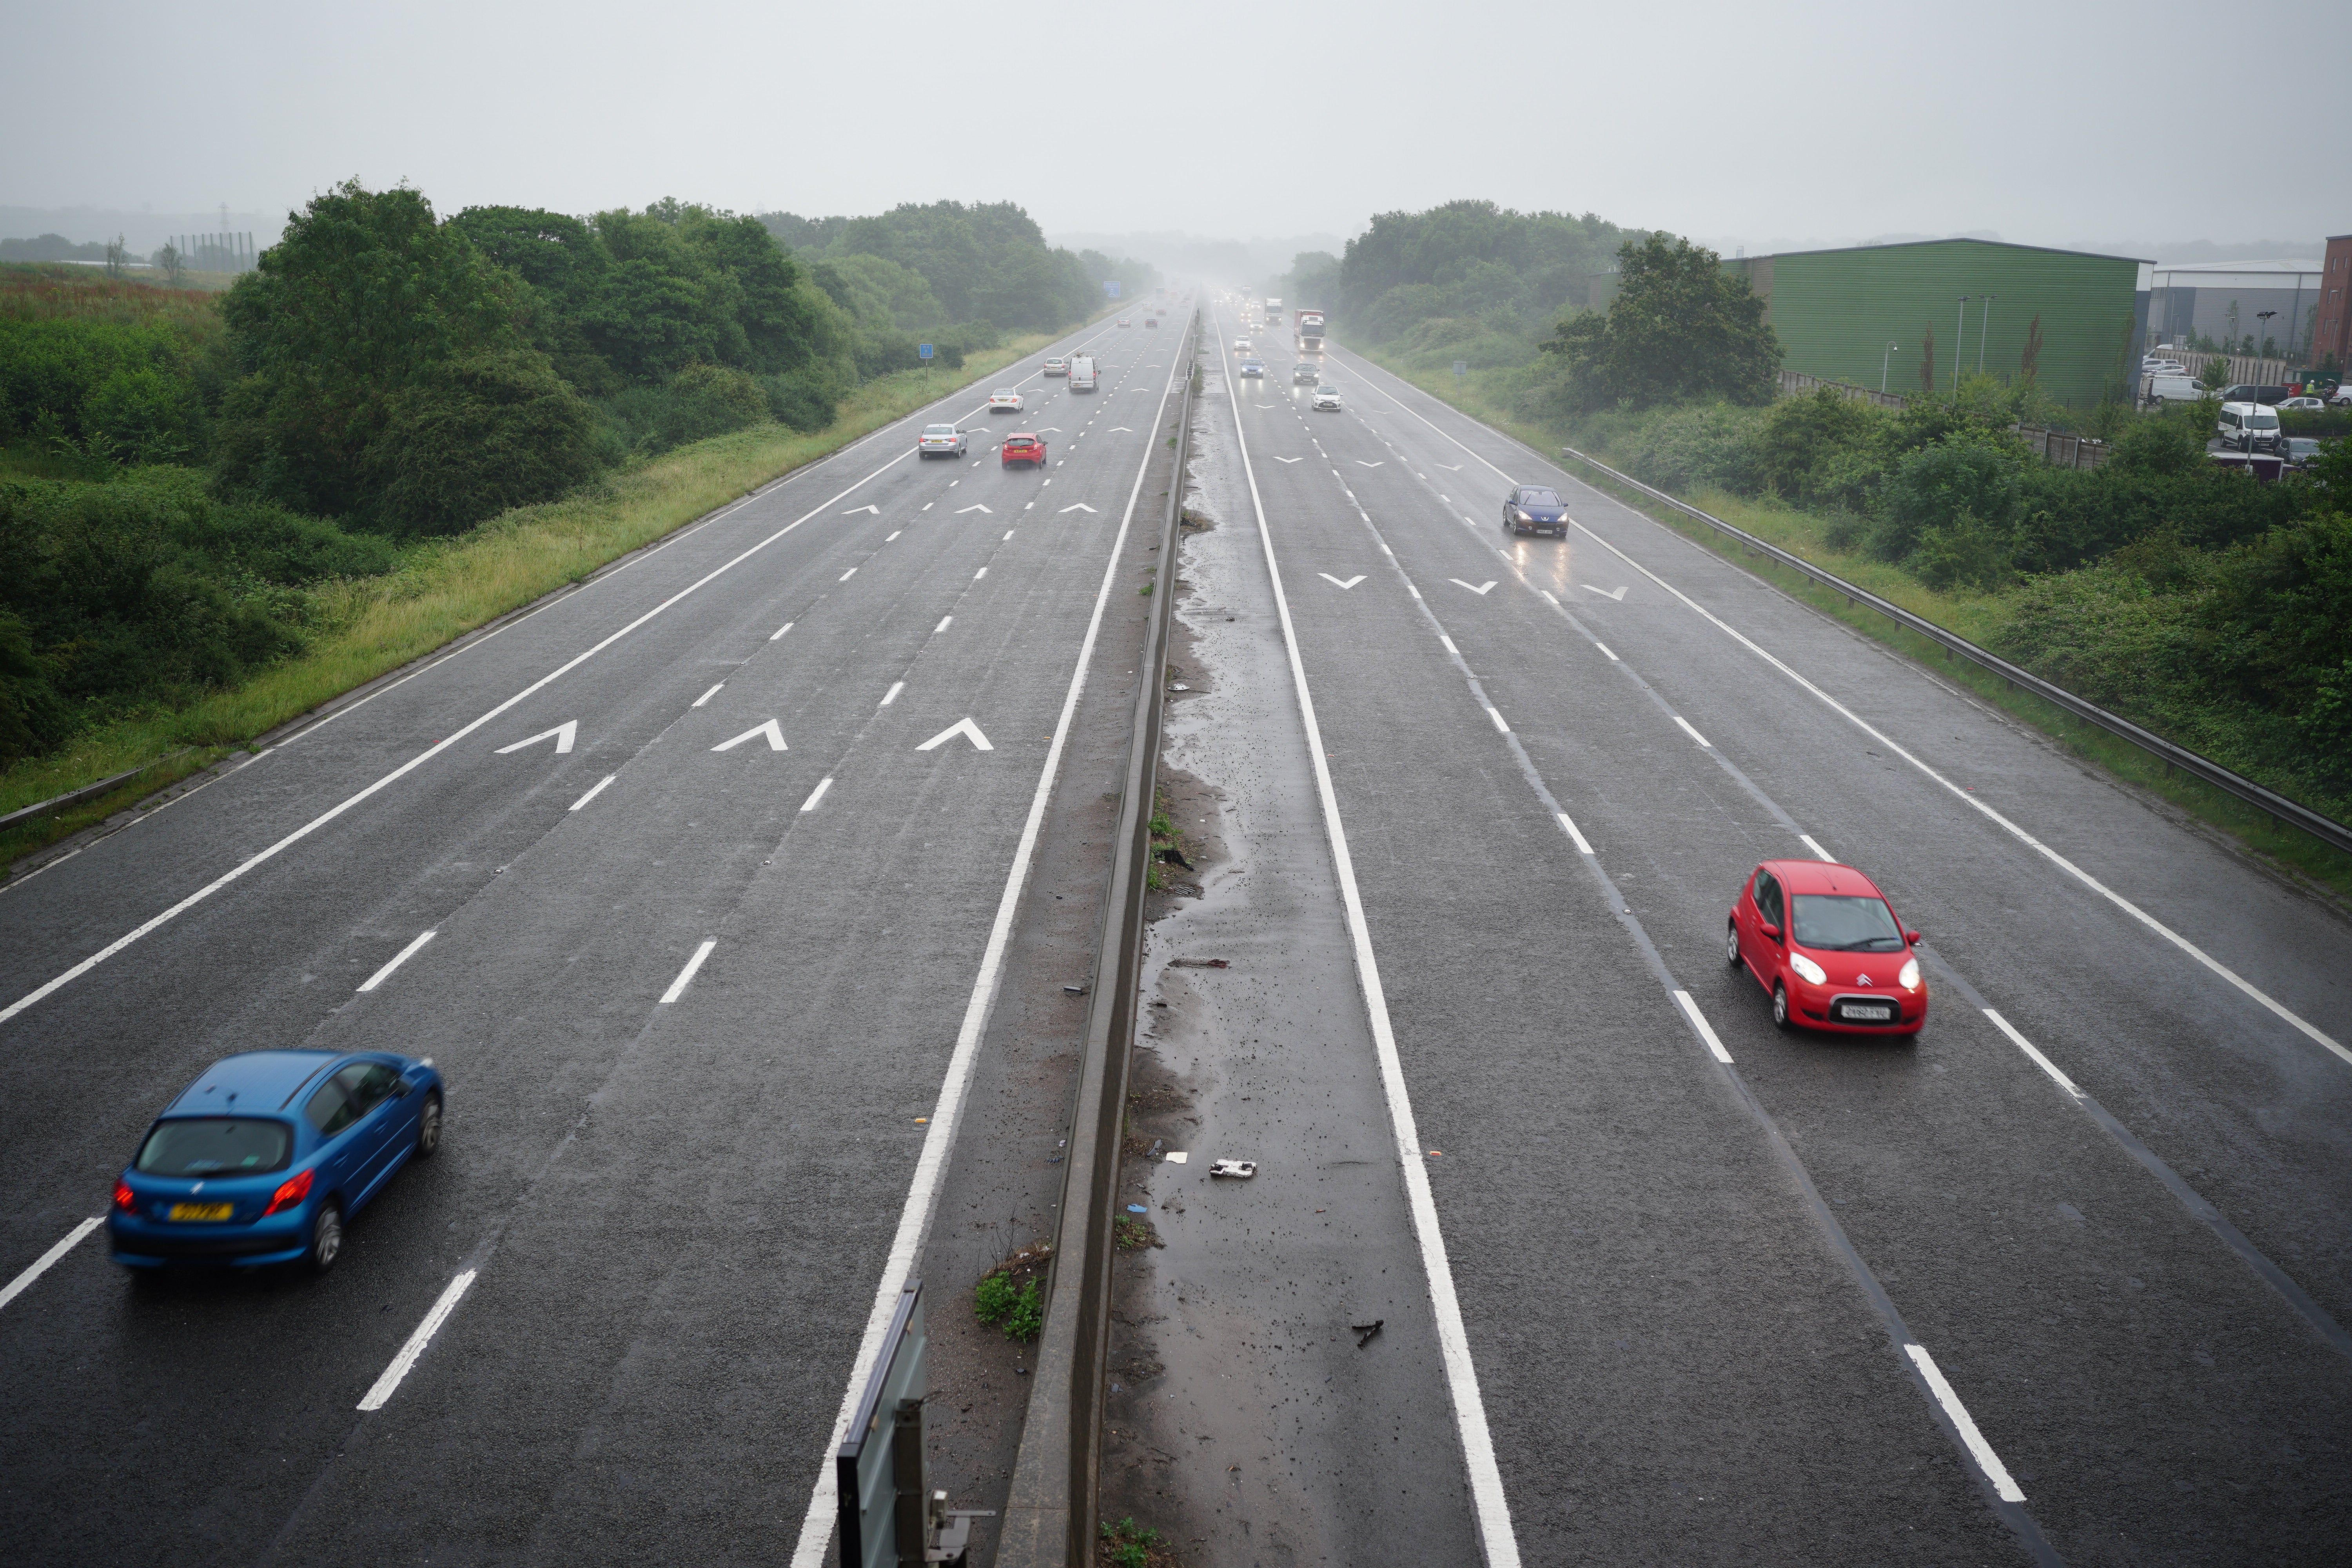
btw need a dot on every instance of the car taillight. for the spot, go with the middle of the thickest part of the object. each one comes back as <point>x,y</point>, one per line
<point>290,1193</point>
<point>124,1198</point>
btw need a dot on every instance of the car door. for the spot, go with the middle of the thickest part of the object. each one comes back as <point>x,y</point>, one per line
<point>1763,951</point>
<point>348,1110</point>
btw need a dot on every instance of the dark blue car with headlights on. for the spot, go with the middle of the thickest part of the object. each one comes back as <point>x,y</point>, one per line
<point>268,1155</point>
<point>1535,509</point>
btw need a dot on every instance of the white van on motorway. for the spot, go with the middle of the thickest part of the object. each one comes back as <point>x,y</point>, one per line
<point>2248,426</point>
<point>1082,372</point>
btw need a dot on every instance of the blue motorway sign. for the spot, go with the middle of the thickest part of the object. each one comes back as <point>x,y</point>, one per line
<point>1110,287</point>
<point>924,350</point>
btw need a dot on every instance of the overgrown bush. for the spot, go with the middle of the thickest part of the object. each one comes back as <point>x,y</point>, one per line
<point>476,434</point>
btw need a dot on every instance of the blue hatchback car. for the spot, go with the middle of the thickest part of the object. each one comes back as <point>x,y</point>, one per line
<point>1535,509</point>
<point>267,1155</point>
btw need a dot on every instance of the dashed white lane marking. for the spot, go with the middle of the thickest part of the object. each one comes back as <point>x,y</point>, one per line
<point>710,694</point>
<point>45,1261</point>
<point>374,1397</point>
<point>1705,1030</point>
<point>1573,836</point>
<point>2044,1063</point>
<point>846,576</point>
<point>403,956</point>
<point>892,534</point>
<point>816,795</point>
<point>1693,734</point>
<point>686,976</point>
<point>563,734</point>
<point>773,730</point>
<point>780,631</point>
<point>1812,844</point>
<point>892,695</point>
<point>1605,648</point>
<point>1497,716</point>
<point>979,575</point>
<point>1986,1459</point>
<point>944,621</point>
<point>928,504</point>
<point>1008,533</point>
<point>593,790</point>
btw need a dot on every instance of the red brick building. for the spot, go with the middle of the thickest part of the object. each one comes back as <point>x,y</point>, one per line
<point>2332,332</point>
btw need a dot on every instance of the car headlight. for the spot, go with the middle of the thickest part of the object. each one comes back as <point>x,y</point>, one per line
<point>1909,978</point>
<point>1809,968</point>
<point>1523,517</point>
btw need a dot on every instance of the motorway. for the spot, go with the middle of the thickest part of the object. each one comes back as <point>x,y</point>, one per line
<point>2063,1281</point>
<point>700,883</point>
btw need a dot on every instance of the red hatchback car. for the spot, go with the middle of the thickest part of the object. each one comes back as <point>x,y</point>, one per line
<point>1021,446</point>
<point>1824,942</point>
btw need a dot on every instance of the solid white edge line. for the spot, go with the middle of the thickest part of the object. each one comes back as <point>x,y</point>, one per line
<point>42,1264</point>
<point>403,956</point>
<point>1485,1475</point>
<point>1705,1030</point>
<point>780,631</point>
<point>1980,1450</point>
<point>938,1139</point>
<point>2021,835</point>
<point>1605,648</point>
<point>1693,734</point>
<point>1573,836</point>
<point>593,790</point>
<point>817,794</point>
<point>686,976</point>
<point>2022,1044</point>
<point>401,1364</point>
<point>1819,853</point>
<point>1497,716</point>
<point>323,818</point>
<point>2158,927</point>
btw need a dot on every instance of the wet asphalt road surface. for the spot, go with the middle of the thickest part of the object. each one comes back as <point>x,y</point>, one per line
<point>677,1211</point>
<point>1838,1299</point>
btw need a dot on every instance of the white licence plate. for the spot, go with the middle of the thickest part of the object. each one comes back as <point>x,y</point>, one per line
<point>1869,1015</point>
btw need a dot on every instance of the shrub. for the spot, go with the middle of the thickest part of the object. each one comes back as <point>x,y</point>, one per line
<point>1932,487</point>
<point>1015,1309</point>
<point>474,435</point>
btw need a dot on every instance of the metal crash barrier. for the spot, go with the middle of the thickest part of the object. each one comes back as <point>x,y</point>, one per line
<point>889,1518</point>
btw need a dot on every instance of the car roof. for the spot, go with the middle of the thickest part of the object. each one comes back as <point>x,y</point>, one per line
<point>1822,877</point>
<point>259,1081</point>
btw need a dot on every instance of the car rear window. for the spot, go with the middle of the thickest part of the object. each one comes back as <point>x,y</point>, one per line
<point>1841,922</point>
<point>939,429</point>
<point>215,1146</point>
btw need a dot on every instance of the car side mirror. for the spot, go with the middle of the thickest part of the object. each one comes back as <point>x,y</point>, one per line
<point>1768,929</point>
<point>1911,938</point>
<point>401,1087</point>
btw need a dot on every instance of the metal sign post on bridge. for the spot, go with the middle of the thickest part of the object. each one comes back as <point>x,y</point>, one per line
<point>888,1517</point>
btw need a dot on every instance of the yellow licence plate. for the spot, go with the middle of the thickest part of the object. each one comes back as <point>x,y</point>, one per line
<point>203,1211</point>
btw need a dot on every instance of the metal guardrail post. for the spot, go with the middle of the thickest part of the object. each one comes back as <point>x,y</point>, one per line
<point>1049,1514</point>
<point>2282,810</point>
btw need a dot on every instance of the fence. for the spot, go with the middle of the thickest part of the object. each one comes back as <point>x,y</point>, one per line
<point>2062,449</point>
<point>2248,368</point>
<point>1793,383</point>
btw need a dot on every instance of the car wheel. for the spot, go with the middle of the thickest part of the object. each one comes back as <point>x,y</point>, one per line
<point>1781,1019</point>
<point>1731,944</point>
<point>326,1239</point>
<point>428,1127</point>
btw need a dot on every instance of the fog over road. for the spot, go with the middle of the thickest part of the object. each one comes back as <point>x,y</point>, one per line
<point>2063,1279</point>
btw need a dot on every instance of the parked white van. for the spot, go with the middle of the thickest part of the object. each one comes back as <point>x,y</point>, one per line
<point>2175,388</point>
<point>2248,426</point>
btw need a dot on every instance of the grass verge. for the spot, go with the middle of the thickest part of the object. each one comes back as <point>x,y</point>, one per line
<point>1976,617</point>
<point>445,588</point>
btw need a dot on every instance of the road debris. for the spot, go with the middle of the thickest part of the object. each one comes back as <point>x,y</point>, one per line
<point>1074,990</point>
<point>1200,962</point>
<point>1367,1329</point>
<point>1177,1156</point>
<point>1241,1168</point>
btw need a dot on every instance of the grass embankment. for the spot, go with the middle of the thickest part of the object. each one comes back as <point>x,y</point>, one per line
<point>445,588</point>
<point>1980,617</point>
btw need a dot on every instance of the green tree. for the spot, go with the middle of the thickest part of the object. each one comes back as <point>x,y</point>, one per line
<point>1679,327</point>
<point>365,292</point>
<point>475,435</point>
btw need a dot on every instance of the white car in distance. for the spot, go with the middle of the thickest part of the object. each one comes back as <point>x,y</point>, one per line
<point>1326,400</point>
<point>1004,400</point>
<point>941,441</point>
<point>1241,345</point>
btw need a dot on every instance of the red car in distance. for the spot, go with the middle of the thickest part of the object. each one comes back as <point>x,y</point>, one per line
<point>1021,446</point>
<point>1824,943</point>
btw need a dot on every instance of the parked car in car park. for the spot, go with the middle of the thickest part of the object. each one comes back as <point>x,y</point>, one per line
<point>2249,392</point>
<point>2175,389</point>
<point>1824,943</point>
<point>2300,450</point>
<point>2341,397</point>
<point>1022,446</point>
<point>2248,426</point>
<point>941,441</point>
<point>2308,404</point>
<point>267,1155</point>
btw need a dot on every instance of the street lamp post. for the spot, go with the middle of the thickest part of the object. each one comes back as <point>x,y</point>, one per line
<point>1882,365</point>
<point>1984,328</point>
<point>2265,318</point>
<point>1959,336</point>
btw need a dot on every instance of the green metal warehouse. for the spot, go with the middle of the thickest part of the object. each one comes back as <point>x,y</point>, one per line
<point>1947,306</point>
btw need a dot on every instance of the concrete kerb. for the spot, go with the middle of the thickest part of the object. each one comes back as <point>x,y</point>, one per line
<point>1049,1516</point>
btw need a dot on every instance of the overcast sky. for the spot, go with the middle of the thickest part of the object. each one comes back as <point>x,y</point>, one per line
<point>1801,122</point>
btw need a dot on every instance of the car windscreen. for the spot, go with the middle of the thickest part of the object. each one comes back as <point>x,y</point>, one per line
<point>1839,922</point>
<point>2264,420</point>
<point>1538,498</point>
<point>215,1146</point>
